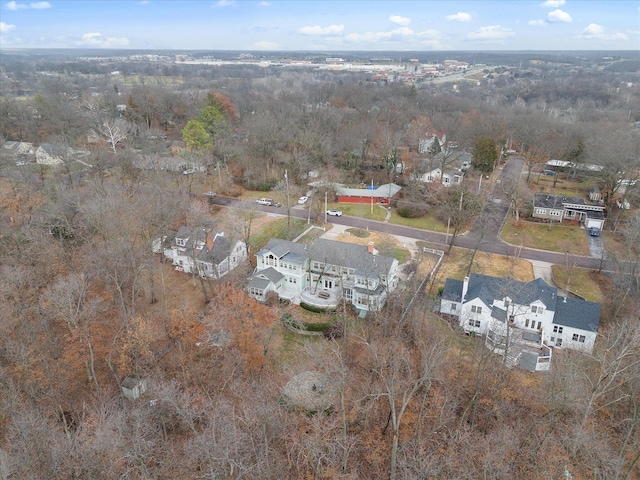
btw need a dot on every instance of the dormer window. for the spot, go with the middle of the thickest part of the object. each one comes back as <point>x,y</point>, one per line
<point>535,309</point>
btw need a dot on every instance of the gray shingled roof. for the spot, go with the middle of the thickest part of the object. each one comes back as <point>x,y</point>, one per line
<point>576,313</point>
<point>334,253</point>
<point>351,256</point>
<point>220,251</point>
<point>555,201</point>
<point>488,289</point>
<point>452,290</point>
<point>263,278</point>
<point>286,250</point>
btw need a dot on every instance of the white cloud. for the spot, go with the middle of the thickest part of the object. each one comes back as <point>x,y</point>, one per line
<point>374,37</point>
<point>538,23</point>
<point>553,3</point>
<point>322,31</point>
<point>459,17</point>
<point>430,34</point>
<point>435,45</point>
<point>264,4</point>
<point>264,45</point>
<point>559,16</point>
<point>595,31</point>
<point>225,3</point>
<point>397,19</point>
<point>492,32</point>
<point>12,5</point>
<point>6,28</point>
<point>96,39</point>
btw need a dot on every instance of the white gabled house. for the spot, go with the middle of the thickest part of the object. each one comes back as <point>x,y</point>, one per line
<point>523,320</point>
<point>455,165</point>
<point>194,249</point>
<point>558,208</point>
<point>323,273</point>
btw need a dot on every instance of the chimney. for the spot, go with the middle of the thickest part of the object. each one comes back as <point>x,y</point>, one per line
<point>370,248</point>
<point>465,287</point>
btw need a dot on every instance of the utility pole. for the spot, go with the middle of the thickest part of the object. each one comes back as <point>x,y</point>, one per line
<point>372,196</point>
<point>480,183</point>
<point>325,207</point>
<point>286,178</point>
<point>461,197</point>
<point>448,223</point>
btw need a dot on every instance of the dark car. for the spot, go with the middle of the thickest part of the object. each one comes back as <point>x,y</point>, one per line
<point>594,232</point>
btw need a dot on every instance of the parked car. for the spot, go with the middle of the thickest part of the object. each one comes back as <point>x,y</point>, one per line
<point>335,213</point>
<point>210,194</point>
<point>276,204</point>
<point>594,232</point>
<point>264,201</point>
<point>302,200</point>
<point>550,173</point>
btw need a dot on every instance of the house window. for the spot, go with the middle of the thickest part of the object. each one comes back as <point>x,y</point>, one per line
<point>541,211</point>
<point>526,323</point>
<point>539,325</point>
<point>578,338</point>
<point>558,342</point>
<point>474,323</point>
<point>506,303</point>
<point>557,329</point>
<point>555,213</point>
<point>453,307</point>
<point>476,309</point>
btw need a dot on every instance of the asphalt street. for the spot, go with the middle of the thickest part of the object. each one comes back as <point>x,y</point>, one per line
<point>483,234</point>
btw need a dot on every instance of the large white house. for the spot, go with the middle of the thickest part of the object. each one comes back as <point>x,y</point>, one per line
<point>523,320</point>
<point>324,273</point>
<point>194,249</point>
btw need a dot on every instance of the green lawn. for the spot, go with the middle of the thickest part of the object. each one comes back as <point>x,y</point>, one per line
<point>543,236</point>
<point>428,222</point>
<point>360,210</point>
<point>278,229</point>
<point>583,282</point>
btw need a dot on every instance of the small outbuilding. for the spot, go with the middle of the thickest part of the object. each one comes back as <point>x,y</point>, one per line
<point>133,387</point>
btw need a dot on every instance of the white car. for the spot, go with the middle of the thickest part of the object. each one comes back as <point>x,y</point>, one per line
<point>264,201</point>
<point>302,200</point>
<point>210,194</point>
<point>335,213</point>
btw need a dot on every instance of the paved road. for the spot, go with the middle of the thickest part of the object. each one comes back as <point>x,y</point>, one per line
<point>483,234</point>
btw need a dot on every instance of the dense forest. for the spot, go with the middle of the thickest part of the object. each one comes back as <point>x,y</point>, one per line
<point>86,303</point>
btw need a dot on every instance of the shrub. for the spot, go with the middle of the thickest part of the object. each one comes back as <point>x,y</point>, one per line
<point>412,211</point>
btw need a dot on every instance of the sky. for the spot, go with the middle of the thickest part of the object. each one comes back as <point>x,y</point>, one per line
<point>301,25</point>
